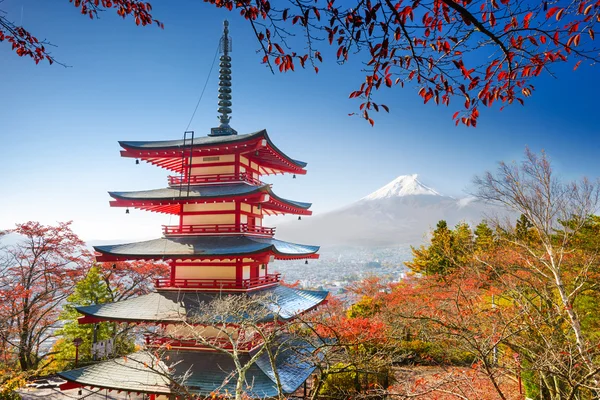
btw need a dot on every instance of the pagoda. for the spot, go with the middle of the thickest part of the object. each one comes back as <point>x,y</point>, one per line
<point>218,247</point>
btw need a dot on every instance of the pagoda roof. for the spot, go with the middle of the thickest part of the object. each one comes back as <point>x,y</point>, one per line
<point>204,372</point>
<point>174,307</point>
<point>205,247</point>
<point>250,142</point>
<point>207,192</point>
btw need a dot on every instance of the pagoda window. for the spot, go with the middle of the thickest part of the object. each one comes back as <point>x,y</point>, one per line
<point>214,170</point>
<point>246,207</point>
<point>189,208</point>
<point>230,158</point>
<point>244,160</point>
<point>204,272</point>
<point>209,219</point>
<point>180,331</point>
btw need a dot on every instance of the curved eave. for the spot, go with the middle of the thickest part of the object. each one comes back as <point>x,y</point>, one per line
<point>167,153</point>
<point>167,200</point>
<point>169,196</point>
<point>279,205</point>
<point>102,256</point>
<point>205,248</point>
<point>171,307</point>
<point>296,163</point>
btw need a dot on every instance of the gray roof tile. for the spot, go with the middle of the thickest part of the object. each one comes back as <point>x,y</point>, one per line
<point>205,372</point>
<point>173,306</point>
<point>238,245</point>
<point>203,192</point>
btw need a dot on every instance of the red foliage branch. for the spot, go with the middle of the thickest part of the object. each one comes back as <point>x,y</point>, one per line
<point>480,51</point>
<point>132,278</point>
<point>27,45</point>
<point>36,276</point>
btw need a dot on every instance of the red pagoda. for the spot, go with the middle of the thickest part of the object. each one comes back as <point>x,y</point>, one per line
<point>218,247</point>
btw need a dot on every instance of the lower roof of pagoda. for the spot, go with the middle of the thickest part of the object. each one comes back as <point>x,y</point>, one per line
<point>205,372</point>
<point>175,307</point>
<point>167,153</point>
<point>205,248</point>
<point>156,198</point>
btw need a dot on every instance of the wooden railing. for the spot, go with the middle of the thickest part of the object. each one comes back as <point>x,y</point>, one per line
<point>224,284</point>
<point>220,343</point>
<point>211,229</point>
<point>217,178</point>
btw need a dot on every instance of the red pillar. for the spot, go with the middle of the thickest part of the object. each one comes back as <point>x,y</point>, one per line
<point>239,271</point>
<point>172,277</point>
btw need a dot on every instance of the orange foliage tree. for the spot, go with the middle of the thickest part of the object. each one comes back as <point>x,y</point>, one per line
<point>36,275</point>
<point>132,278</point>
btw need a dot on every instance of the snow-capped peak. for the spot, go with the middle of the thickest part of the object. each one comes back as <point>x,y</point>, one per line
<point>404,185</point>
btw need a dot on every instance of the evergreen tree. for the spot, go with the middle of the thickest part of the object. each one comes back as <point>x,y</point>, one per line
<point>484,237</point>
<point>523,229</point>
<point>447,250</point>
<point>92,290</point>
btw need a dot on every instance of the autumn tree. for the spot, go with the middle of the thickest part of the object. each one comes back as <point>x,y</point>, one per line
<point>353,353</point>
<point>36,275</point>
<point>547,270</point>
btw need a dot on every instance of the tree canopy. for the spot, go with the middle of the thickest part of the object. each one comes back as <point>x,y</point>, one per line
<point>468,53</point>
<point>36,275</point>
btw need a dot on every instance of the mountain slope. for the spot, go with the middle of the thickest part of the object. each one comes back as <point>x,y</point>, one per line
<point>401,212</point>
<point>404,185</point>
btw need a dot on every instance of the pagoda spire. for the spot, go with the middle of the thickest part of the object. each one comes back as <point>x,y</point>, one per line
<point>224,86</point>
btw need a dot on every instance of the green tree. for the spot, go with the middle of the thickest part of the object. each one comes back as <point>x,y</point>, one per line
<point>484,237</point>
<point>447,249</point>
<point>523,229</point>
<point>91,290</point>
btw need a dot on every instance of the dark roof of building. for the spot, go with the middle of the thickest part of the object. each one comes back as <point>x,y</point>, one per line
<point>204,192</point>
<point>201,373</point>
<point>173,306</point>
<point>206,246</point>
<point>205,141</point>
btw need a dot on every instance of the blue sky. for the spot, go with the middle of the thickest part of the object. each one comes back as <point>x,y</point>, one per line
<point>60,126</point>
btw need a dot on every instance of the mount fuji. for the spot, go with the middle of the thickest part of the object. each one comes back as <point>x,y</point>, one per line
<point>399,213</point>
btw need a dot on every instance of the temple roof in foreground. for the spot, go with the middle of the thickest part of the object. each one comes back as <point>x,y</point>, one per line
<point>205,142</point>
<point>203,193</point>
<point>184,247</point>
<point>140,372</point>
<point>173,306</point>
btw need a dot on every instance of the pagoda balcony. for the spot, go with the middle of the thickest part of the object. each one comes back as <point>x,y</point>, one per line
<point>218,178</point>
<point>221,343</point>
<point>217,229</point>
<point>221,284</point>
